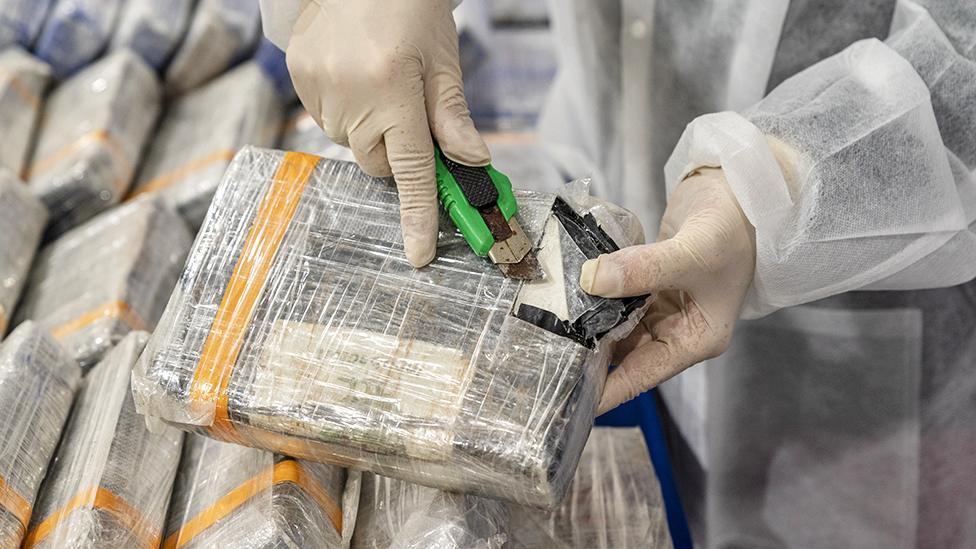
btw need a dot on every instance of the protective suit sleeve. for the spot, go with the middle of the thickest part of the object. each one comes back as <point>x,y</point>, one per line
<point>847,174</point>
<point>279,16</point>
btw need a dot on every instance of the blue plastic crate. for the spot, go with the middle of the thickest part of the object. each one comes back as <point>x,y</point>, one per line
<point>642,412</point>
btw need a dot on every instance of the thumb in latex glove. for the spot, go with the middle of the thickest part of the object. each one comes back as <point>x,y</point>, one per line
<point>381,77</point>
<point>700,270</point>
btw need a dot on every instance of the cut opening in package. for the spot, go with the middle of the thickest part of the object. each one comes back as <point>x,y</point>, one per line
<point>106,278</point>
<point>37,385</point>
<point>22,220</point>
<point>233,496</point>
<point>109,483</point>
<point>23,80</point>
<point>91,135</point>
<point>200,134</point>
<point>299,327</point>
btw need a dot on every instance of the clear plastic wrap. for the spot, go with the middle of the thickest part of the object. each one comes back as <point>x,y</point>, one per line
<point>108,277</point>
<point>302,134</point>
<point>23,79</point>
<point>525,161</point>
<point>397,514</point>
<point>75,33</point>
<point>221,33</point>
<point>110,481</point>
<point>37,384</point>
<point>153,29</point>
<point>232,496</point>
<point>614,501</point>
<point>300,327</point>
<point>22,220</point>
<point>91,137</point>
<point>200,134</point>
<point>21,21</point>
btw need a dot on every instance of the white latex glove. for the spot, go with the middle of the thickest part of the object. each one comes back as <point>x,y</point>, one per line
<point>380,77</point>
<point>699,271</point>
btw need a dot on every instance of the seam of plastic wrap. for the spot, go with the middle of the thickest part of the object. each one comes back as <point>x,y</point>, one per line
<point>281,472</point>
<point>118,309</point>
<point>23,90</point>
<point>96,498</point>
<point>14,503</point>
<point>98,136</point>
<point>169,178</point>
<point>226,337</point>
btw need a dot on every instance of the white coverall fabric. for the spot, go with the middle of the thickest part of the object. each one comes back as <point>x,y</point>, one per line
<point>848,421</point>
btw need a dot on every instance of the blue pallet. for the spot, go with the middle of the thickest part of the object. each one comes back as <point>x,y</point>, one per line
<point>642,412</point>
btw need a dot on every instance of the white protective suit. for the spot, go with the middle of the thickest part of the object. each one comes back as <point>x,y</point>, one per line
<point>848,421</point>
<point>841,418</point>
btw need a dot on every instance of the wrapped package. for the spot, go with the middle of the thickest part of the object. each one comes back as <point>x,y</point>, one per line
<point>75,33</point>
<point>153,29</point>
<point>300,327</point>
<point>272,61</point>
<point>302,134</point>
<point>37,385</point>
<point>21,21</point>
<point>200,134</point>
<point>22,219</point>
<point>110,481</point>
<point>394,513</point>
<point>23,79</point>
<point>91,137</point>
<point>221,33</point>
<point>108,277</point>
<point>614,501</point>
<point>232,496</point>
<point>508,89</point>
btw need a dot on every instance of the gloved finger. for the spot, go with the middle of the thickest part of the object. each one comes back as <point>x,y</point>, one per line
<point>677,342</point>
<point>410,152</point>
<point>371,154</point>
<point>639,270</point>
<point>449,116</point>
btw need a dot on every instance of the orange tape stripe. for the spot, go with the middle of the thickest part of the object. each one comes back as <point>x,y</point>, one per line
<point>113,309</point>
<point>237,305</point>
<point>22,89</point>
<point>96,498</point>
<point>284,471</point>
<point>14,503</point>
<point>171,177</point>
<point>292,471</point>
<point>3,326</point>
<point>99,136</point>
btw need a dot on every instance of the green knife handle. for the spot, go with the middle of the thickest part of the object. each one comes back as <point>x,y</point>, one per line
<point>457,199</point>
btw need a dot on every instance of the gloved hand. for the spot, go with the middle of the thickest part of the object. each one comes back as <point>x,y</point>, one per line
<point>700,270</point>
<point>381,77</point>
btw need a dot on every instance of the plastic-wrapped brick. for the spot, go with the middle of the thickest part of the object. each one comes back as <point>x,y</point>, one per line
<point>221,33</point>
<point>153,29</point>
<point>300,327</point>
<point>37,385</point>
<point>106,278</point>
<point>23,79</point>
<point>394,513</point>
<point>21,21</point>
<point>614,501</point>
<point>232,496</point>
<point>272,61</point>
<point>302,134</point>
<point>75,33</point>
<point>110,481</point>
<point>91,137</point>
<point>22,220</point>
<point>200,134</point>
